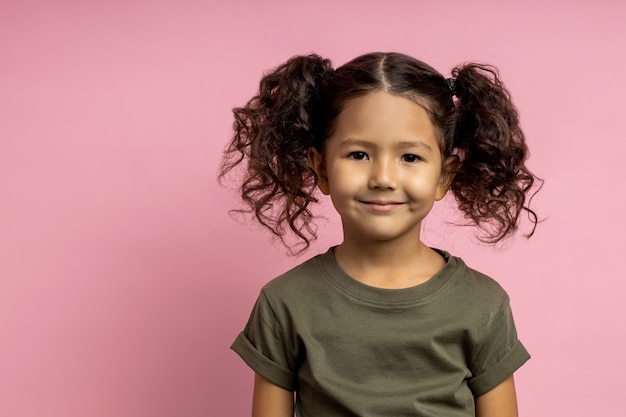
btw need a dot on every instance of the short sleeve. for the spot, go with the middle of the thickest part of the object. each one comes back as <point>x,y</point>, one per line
<point>500,354</point>
<point>263,346</point>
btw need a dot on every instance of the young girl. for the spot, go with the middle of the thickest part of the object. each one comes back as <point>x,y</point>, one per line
<point>381,325</point>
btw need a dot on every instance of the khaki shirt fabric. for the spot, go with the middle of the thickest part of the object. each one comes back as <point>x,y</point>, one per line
<point>348,349</point>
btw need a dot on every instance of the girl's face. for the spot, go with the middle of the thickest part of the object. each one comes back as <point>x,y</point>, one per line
<point>382,168</point>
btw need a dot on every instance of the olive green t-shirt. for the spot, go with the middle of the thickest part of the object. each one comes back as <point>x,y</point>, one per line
<point>348,349</point>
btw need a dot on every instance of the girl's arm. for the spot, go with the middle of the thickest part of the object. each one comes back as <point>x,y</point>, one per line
<point>499,402</point>
<point>270,400</point>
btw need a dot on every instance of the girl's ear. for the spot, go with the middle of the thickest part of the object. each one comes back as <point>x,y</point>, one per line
<point>448,171</point>
<point>317,163</point>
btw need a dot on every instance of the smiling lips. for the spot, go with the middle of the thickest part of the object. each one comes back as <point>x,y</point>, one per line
<point>382,206</point>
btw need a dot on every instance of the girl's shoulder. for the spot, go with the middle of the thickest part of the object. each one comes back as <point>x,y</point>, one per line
<point>303,277</point>
<point>477,285</point>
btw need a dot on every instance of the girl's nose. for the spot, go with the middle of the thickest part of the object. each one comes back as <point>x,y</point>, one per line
<point>383,175</point>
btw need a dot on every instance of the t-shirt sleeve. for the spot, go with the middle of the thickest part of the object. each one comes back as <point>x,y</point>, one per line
<point>500,355</point>
<point>264,347</point>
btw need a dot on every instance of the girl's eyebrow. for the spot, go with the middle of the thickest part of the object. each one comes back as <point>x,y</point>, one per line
<point>358,142</point>
<point>414,144</point>
<point>371,144</point>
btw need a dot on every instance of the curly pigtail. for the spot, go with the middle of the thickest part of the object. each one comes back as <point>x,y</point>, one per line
<point>273,132</point>
<point>492,183</point>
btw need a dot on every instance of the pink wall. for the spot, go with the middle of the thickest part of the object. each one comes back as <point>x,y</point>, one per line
<point>122,279</point>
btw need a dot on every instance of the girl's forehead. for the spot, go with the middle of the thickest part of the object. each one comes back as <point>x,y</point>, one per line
<point>382,115</point>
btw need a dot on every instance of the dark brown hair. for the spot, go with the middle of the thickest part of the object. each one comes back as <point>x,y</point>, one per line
<point>297,106</point>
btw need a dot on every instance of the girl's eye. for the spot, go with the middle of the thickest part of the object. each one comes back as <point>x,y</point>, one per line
<point>359,156</point>
<point>409,157</point>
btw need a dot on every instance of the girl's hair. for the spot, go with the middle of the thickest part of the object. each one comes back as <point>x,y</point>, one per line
<point>297,107</point>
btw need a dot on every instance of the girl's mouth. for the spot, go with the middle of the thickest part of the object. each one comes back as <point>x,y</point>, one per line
<point>382,206</point>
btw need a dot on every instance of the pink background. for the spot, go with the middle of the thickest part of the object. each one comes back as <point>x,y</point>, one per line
<point>123,280</point>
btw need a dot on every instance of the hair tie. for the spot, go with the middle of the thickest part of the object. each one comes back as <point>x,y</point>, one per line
<point>451,85</point>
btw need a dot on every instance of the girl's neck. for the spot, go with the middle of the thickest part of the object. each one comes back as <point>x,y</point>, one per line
<point>388,265</point>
